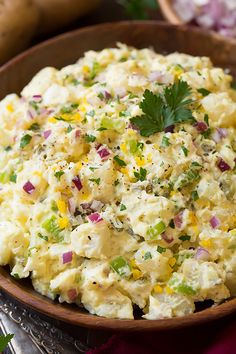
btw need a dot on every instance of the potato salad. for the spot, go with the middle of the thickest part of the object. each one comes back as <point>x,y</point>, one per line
<point>118,183</point>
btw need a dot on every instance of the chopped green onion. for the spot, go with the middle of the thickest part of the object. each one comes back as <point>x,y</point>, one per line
<point>122,207</point>
<point>120,266</point>
<point>154,231</point>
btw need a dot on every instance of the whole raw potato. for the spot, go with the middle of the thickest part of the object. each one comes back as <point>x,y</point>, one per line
<point>18,23</point>
<point>56,13</point>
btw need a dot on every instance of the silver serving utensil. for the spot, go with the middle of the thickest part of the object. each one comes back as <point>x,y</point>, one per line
<point>32,334</point>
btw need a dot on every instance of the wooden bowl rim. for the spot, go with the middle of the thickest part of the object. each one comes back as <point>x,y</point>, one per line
<point>68,313</point>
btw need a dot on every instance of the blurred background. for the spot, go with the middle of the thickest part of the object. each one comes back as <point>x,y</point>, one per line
<point>46,18</point>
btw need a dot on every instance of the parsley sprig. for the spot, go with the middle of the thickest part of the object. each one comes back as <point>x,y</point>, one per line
<point>163,110</point>
<point>4,341</point>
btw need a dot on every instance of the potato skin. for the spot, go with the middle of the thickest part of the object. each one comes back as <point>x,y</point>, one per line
<point>18,23</point>
<point>57,13</point>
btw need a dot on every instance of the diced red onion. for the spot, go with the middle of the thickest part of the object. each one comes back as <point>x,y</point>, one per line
<point>95,218</point>
<point>214,221</point>
<point>222,132</point>
<point>67,257</point>
<point>178,220</point>
<point>96,205</point>
<point>167,238</point>
<point>86,206</point>
<point>77,182</point>
<point>47,133</point>
<point>31,113</point>
<point>37,98</point>
<point>77,133</point>
<point>201,126</point>
<point>120,92</point>
<point>28,187</point>
<point>72,294</point>
<point>107,95</point>
<point>155,75</point>
<point>202,254</point>
<point>71,205</point>
<point>216,137</point>
<point>219,15</point>
<point>222,165</point>
<point>103,153</point>
<point>170,129</point>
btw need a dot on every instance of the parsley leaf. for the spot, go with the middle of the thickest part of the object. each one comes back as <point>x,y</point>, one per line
<point>90,138</point>
<point>122,207</point>
<point>162,111</point>
<point>25,140</point>
<point>141,175</point>
<point>58,174</point>
<point>119,161</point>
<point>185,238</point>
<point>95,180</point>
<point>4,340</point>
<point>13,177</point>
<point>204,92</point>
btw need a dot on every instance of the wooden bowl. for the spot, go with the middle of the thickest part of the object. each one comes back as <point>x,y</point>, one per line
<point>169,12</point>
<point>66,49</point>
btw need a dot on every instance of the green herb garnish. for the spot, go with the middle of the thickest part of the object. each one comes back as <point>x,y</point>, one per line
<point>162,111</point>
<point>119,161</point>
<point>90,138</point>
<point>204,92</point>
<point>95,180</point>
<point>194,195</point>
<point>147,255</point>
<point>141,175</point>
<point>185,150</point>
<point>161,249</point>
<point>69,129</point>
<point>185,238</point>
<point>25,140</point>
<point>34,127</point>
<point>4,341</point>
<point>165,141</point>
<point>45,238</point>
<point>13,177</point>
<point>122,207</point>
<point>58,174</point>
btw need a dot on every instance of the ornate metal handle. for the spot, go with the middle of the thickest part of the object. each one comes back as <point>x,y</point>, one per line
<point>34,335</point>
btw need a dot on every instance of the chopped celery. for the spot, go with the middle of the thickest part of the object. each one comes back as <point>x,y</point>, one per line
<point>51,226</point>
<point>120,266</point>
<point>185,289</point>
<point>114,124</point>
<point>154,231</point>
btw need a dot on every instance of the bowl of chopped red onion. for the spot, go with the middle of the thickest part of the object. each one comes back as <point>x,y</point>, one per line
<point>216,15</point>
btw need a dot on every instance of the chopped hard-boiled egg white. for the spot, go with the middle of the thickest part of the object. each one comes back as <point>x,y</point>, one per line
<point>118,183</point>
